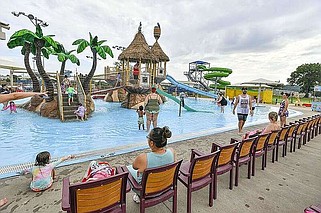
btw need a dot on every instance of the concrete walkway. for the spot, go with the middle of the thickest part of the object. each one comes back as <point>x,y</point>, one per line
<point>289,185</point>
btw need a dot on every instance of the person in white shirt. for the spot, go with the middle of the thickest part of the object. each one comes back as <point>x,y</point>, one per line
<point>244,107</point>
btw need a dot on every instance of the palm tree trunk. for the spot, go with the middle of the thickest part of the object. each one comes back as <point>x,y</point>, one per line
<point>62,68</point>
<point>34,79</point>
<point>91,73</point>
<point>48,83</point>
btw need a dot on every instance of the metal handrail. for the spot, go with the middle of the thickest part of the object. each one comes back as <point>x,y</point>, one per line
<point>60,100</point>
<point>81,93</point>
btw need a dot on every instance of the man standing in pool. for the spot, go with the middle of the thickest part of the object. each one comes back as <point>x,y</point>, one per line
<point>244,106</point>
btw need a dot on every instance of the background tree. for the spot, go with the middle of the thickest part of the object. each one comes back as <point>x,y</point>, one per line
<point>306,76</point>
<point>96,47</point>
<point>20,39</point>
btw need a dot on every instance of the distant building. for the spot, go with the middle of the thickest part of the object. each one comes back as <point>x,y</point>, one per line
<point>2,34</point>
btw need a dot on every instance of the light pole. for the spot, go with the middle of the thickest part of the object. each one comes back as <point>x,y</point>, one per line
<point>34,20</point>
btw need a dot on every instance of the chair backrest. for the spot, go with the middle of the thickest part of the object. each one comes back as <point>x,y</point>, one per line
<point>226,154</point>
<point>160,179</point>
<point>272,137</point>
<point>292,129</point>
<point>202,166</point>
<point>245,147</point>
<point>100,195</point>
<point>260,141</point>
<point>283,133</point>
<point>300,128</point>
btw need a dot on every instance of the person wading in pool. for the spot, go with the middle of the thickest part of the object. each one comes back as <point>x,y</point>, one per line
<point>244,106</point>
<point>152,102</point>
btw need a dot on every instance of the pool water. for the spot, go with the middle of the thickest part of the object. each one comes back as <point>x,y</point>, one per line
<point>110,130</point>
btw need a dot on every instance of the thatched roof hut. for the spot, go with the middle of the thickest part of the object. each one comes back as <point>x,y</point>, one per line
<point>159,53</point>
<point>138,50</point>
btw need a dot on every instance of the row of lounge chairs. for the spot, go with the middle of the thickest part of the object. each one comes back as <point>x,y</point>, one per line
<point>160,184</point>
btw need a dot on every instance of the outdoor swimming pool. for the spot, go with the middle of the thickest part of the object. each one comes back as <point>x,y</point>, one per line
<point>111,130</point>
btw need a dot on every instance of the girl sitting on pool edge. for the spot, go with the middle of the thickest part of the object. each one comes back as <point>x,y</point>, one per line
<point>43,171</point>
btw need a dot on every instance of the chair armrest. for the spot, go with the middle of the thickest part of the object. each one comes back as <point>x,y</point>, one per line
<point>234,140</point>
<point>184,168</point>
<point>131,179</point>
<point>215,147</point>
<point>195,152</point>
<point>120,170</point>
<point>65,204</point>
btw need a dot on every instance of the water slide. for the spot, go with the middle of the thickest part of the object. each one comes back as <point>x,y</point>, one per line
<point>188,88</point>
<point>215,74</point>
<point>161,92</point>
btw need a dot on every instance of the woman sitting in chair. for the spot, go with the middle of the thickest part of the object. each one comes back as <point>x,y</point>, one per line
<point>159,156</point>
<point>273,125</point>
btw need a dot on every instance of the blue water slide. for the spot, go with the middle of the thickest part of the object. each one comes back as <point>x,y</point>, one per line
<point>189,88</point>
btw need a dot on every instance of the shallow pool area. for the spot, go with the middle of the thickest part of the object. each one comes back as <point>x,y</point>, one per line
<point>110,130</point>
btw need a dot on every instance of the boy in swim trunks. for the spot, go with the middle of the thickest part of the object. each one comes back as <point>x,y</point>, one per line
<point>141,114</point>
<point>70,92</point>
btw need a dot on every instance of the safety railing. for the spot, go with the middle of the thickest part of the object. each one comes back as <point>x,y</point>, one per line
<point>60,99</point>
<point>81,93</point>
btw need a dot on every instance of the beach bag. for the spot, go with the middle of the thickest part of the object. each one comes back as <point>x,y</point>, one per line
<point>97,171</point>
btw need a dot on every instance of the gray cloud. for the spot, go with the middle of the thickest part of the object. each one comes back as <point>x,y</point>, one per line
<point>253,37</point>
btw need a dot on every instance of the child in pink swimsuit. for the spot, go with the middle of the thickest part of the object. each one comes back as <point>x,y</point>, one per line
<point>12,106</point>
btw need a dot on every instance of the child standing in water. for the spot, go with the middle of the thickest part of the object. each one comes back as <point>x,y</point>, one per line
<point>141,114</point>
<point>12,106</point>
<point>43,171</point>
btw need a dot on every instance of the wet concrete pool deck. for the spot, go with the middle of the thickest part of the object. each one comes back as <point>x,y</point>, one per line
<point>289,185</point>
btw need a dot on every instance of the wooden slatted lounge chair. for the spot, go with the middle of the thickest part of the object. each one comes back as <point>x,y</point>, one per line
<point>106,195</point>
<point>198,173</point>
<point>225,162</point>
<point>243,155</point>
<point>158,185</point>
<point>271,145</point>
<point>258,150</point>
<point>292,134</point>
<point>282,139</point>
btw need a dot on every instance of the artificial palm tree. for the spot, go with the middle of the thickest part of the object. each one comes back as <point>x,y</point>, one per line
<point>63,56</point>
<point>27,48</point>
<point>96,47</point>
<point>42,44</point>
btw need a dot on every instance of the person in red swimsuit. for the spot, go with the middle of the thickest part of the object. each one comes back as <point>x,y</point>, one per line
<point>136,72</point>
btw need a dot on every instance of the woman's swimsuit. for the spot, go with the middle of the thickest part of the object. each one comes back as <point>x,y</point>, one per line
<point>152,106</point>
<point>282,106</point>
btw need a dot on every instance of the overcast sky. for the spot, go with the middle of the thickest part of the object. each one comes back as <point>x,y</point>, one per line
<point>255,38</point>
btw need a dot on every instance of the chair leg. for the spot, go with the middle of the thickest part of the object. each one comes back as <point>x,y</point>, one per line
<point>277,153</point>
<point>263,160</point>
<point>142,206</point>
<point>273,154</point>
<point>215,186</point>
<point>291,144</point>
<point>294,142</point>
<point>237,174</point>
<point>283,150</point>
<point>285,146</point>
<point>175,201</point>
<point>265,155</point>
<point>253,166</point>
<point>249,164</point>
<point>211,195</point>
<point>189,200</point>
<point>231,179</point>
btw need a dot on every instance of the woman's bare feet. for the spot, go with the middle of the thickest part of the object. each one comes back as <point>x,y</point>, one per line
<point>3,202</point>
